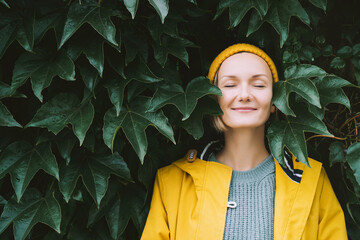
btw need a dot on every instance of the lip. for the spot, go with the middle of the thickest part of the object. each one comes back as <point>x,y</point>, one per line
<point>244,109</point>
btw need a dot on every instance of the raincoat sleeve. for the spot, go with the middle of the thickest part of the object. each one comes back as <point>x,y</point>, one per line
<point>331,217</point>
<point>156,226</point>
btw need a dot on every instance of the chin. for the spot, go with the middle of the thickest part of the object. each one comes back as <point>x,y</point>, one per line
<point>244,125</point>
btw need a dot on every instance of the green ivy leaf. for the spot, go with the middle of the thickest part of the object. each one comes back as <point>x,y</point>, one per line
<point>173,46</point>
<point>17,24</point>
<point>337,63</point>
<point>297,79</point>
<point>134,42</point>
<point>193,125</point>
<point>330,91</point>
<point>336,153</point>
<point>344,52</point>
<point>116,92</point>
<point>92,47</point>
<point>238,9</point>
<point>134,120</point>
<point>32,209</point>
<point>290,134</point>
<point>186,100</point>
<point>161,7</point>
<point>139,71</point>
<point>353,158</point>
<point>130,206</point>
<point>3,2</point>
<point>64,108</point>
<point>97,16</point>
<point>90,78</point>
<point>22,161</point>
<point>65,142</point>
<point>42,68</point>
<point>5,91</point>
<point>95,173</point>
<point>319,3</point>
<point>2,201</point>
<point>356,50</point>
<point>279,15</point>
<point>169,27</point>
<point>132,6</point>
<point>6,119</point>
<point>111,196</point>
<point>54,19</point>
<point>327,50</point>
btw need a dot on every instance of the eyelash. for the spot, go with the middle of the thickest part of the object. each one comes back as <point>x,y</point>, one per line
<point>233,85</point>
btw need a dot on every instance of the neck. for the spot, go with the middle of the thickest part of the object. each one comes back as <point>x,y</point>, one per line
<point>244,148</point>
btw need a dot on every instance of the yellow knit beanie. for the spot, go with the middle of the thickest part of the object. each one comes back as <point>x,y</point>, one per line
<point>241,47</point>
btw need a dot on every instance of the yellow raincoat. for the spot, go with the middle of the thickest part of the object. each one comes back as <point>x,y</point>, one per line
<point>190,202</point>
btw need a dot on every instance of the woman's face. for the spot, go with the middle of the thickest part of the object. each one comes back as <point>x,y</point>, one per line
<point>245,80</point>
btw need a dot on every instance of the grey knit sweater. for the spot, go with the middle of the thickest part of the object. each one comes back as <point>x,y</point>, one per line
<point>253,193</point>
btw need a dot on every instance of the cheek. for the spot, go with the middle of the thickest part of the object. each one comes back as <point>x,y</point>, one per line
<point>226,98</point>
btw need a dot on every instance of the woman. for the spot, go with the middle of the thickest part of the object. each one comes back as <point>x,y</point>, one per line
<point>241,192</point>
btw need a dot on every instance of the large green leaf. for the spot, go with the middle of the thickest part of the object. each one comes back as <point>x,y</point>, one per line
<point>116,92</point>
<point>278,15</point>
<point>16,24</point>
<point>3,2</point>
<point>91,12</point>
<point>161,7</point>
<point>336,153</point>
<point>42,67</point>
<point>319,3</point>
<point>330,91</point>
<point>169,27</point>
<point>186,100</point>
<point>65,142</point>
<point>134,42</point>
<point>353,158</point>
<point>32,209</point>
<point>95,173</point>
<point>22,161</point>
<point>238,9</point>
<point>6,119</point>
<point>139,71</point>
<point>64,108</point>
<point>297,79</point>
<point>133,120</point>
<point>173,46</point>
<point>111,196</point>
<point>290,134</point>
<point>132,6</point>
<point>130,206</point>
<point>2,201</point>
<point>92,47</point>
<point>5,91</point>
<point>90,78</point>
<point>53,18</point>
<point>194,124</point>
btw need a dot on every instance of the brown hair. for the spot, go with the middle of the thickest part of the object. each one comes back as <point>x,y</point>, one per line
<point>217,122</point>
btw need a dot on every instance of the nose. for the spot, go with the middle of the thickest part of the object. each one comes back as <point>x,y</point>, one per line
<point>244,94</point>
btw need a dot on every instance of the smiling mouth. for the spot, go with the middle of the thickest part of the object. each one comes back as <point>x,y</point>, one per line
<point>244,109</point>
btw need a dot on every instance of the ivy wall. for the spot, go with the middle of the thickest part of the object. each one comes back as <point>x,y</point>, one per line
<point>95,96</point>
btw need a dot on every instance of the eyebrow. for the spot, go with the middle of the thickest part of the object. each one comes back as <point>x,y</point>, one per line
<point>259,75</point>
<point>253,76</point>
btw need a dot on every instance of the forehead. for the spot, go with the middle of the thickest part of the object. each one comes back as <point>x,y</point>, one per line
<point>244,63</point>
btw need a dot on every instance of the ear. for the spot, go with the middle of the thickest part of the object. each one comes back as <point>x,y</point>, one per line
<point>272,108</point>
